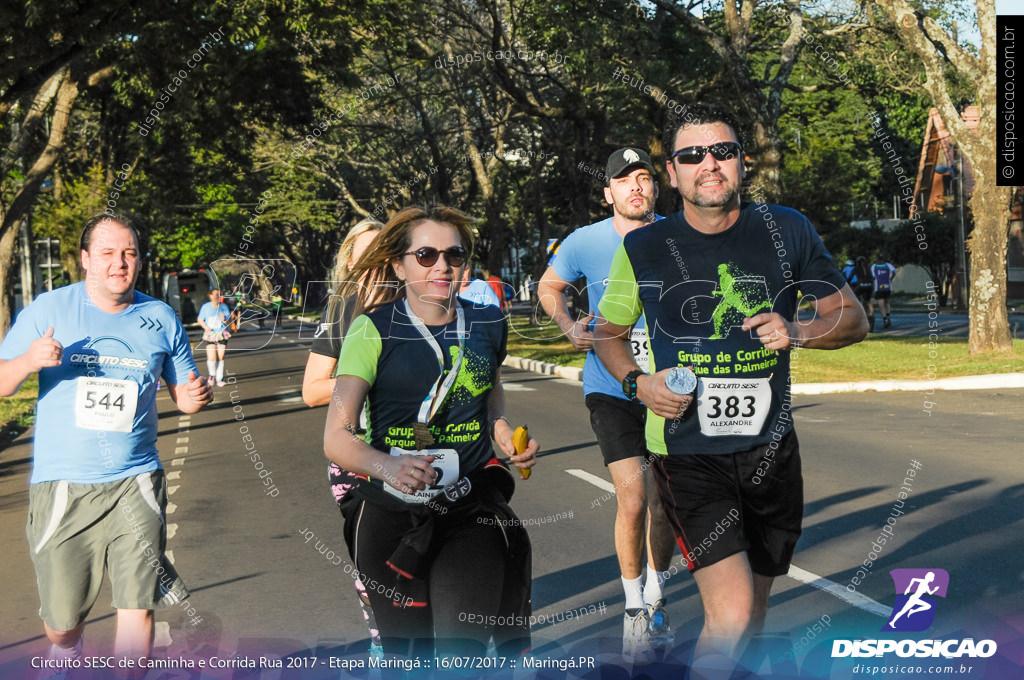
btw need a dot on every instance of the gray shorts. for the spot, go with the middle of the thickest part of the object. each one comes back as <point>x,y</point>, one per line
<point>76,530</point>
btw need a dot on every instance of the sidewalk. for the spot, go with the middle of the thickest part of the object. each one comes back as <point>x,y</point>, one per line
<point>965,382</point>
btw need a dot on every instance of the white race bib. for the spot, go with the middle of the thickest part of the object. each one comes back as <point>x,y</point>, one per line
<point>106,404</point>
<point>638,341</point>
<point>446,465</point>
<point>733,406</point>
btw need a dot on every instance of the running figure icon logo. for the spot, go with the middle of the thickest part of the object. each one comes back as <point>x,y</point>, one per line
<point>914,609</point>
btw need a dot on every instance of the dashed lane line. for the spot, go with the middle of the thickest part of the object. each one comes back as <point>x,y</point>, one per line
<point>858,600</point>
<point>854,598</point>
<point>593,479</point>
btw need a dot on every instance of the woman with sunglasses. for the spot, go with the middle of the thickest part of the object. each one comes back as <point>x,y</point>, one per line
<point>428,526</point>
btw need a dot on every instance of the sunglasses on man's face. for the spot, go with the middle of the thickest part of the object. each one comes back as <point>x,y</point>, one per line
<point>722,151</point>
<point>427,256</point>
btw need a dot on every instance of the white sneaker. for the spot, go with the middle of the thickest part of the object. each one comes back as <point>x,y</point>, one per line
<point>662,636</point>
<point>636,638</point>
<point>60,662</point>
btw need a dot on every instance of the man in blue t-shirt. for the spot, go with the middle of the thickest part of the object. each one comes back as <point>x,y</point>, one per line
<point>476,290</point>
<point>717,284</point>
<point>631,190</point>
<point>97,491</point>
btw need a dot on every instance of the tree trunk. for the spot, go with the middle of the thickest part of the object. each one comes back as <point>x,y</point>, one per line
<point>25,197</point>
<point>768,171</point>
<point>8,241</point>
<point>989,325</point>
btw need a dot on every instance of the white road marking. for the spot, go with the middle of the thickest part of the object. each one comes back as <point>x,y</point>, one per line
<point>858,600</point>
<point>517,387</point>
<point>181,440</point>
<point>174,475</point>
<point>184,420</point>
<point>178,461</point>
<point>171,530</point>
<point>180,449</point>
<point>171,507</point>
<point>162,634</point>
<point>172,489</point>
<point>170,556</point>
<point>593,479</point>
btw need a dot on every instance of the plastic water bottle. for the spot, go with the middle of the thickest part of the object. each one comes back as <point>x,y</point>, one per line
<point>681,380</point>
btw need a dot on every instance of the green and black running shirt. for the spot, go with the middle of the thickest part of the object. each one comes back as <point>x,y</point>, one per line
<point>385,349</point>
<point>694,290</point>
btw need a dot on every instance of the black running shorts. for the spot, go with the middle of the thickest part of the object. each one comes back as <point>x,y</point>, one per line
<point>723,504</point>
<point>618,425</point>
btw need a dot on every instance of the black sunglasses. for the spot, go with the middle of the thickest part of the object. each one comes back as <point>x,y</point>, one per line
<point>427,256</point>
<point>722,151</point>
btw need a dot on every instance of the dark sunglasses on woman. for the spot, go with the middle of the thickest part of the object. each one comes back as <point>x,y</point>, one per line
<point>427,256</point>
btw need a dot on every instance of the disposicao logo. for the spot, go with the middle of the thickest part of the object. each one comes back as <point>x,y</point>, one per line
<point>913,611</point>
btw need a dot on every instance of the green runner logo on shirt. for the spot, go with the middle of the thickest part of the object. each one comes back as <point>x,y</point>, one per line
<point>742,294</point>
<point>473,377</point>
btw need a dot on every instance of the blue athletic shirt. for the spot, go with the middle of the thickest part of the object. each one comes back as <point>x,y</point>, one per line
<point>479,293</point>
<point>210,313</point>
<point>588,252</point>
<point>141,344</point>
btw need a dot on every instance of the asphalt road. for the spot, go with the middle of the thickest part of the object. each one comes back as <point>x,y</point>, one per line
<point>260,582</point>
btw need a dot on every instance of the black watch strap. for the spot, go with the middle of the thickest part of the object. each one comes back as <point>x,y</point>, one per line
<point>629,384</point>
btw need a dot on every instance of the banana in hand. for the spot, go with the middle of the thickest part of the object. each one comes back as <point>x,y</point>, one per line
<point>520,440</point>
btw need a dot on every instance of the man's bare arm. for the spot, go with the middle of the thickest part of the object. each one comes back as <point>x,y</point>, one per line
<point>611,342</point>
<point>551,290</point>
<point>839,321</point>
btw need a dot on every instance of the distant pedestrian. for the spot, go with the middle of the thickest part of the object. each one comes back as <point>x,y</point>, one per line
<point>858,275</point>
<point>214,317</point>
<point>882,273</point>
<point>499,290</point>
<point>476,290</point>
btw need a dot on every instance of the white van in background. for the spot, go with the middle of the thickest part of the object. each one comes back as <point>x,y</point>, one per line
<point>187,290</point>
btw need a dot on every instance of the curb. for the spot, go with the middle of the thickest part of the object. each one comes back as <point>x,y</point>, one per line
<point>544,368</point>
<point>965,382</point>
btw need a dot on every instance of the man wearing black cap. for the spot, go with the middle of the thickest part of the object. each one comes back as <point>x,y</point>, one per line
<point>618,423</point>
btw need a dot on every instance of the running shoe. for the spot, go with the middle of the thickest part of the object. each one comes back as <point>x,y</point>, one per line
<point>662,636</point>
<point>636,638</point>
<point>221,383</point>
<point>60,662</point>
<point>210,381</point>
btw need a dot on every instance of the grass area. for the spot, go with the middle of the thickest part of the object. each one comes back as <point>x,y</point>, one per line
<point>877,358</point>
<point>17,412</point>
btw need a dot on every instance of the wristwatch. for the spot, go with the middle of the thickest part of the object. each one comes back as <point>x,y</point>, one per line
<point>494,422</point>
<point>629,384</point>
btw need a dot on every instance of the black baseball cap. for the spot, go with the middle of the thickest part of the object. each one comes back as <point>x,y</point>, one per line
<point>624,160</point>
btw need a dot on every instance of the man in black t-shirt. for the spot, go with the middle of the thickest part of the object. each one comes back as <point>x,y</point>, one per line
<point>718,286</point>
